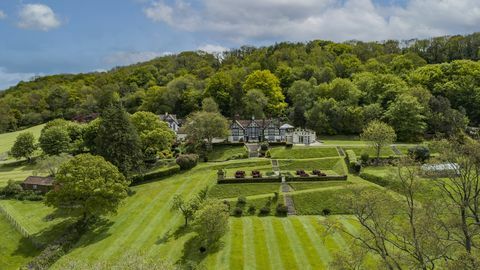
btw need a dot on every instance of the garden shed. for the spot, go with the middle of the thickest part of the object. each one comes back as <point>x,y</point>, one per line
<point>38,183</point>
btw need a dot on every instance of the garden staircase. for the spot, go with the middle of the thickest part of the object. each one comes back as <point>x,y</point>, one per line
<point>252,149</point>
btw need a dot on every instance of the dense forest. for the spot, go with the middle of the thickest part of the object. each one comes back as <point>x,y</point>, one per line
<point>420,87</point>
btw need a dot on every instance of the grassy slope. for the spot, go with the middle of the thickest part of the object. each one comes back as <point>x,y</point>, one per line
<point>225,152</point>
<point>328,165</point>
<point>7,139</point>
<point>15,250</point>
<point>236,190</point>
<point>145,223</point>
<point>16,173</point>
<point>301,152</point>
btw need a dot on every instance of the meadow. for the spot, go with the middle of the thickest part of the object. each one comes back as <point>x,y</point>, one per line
<point>15,250</point>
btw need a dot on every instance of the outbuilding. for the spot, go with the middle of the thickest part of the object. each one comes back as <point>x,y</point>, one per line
<point>38,184</point>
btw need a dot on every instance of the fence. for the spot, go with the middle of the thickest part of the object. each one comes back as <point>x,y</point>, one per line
<point>20,228</point>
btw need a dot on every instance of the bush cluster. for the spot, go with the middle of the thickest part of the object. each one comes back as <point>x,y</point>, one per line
<point>13,190</point>
<point>420,153</point>
<point>187,161</point>
<point>282,210</point>
<point>155,175</point>
<point>353,163</point>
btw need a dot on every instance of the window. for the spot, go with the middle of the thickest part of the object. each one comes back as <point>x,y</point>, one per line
<point>34,186</point>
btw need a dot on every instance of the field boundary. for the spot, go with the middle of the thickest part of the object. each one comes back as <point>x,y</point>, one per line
<point>19,227</point>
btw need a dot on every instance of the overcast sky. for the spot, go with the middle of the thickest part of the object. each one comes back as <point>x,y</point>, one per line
<point>65,36</point>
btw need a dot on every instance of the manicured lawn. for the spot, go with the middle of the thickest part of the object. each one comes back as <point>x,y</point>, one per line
<point>236,190</point>
<point>341,140</point>
<point>145,223</point>
<point>380,170</point>
<point>227,152</point>
<point>277,243</point>
<point>328,165</point>
<point>8,139</point>
<point>15,250</point>
<point>312,203</point>
<point>300,152</point>
<point>385,152</point>
<point>33,217</point>
<point>313,185</point>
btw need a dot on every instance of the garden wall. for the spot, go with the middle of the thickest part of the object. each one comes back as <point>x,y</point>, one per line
<point>316,178</point>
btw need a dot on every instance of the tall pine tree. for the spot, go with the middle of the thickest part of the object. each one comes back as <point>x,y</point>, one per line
<point>118,141</point>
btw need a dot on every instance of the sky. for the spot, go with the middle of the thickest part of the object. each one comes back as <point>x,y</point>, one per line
<point>44,37</point>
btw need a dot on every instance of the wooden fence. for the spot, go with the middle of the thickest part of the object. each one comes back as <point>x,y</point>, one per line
<point>20,228</point>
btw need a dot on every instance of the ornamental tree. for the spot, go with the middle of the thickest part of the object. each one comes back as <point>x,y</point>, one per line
<point>202,126</point>
<point>24,146</point>
<point>379,135</point>
<point>87,186</point>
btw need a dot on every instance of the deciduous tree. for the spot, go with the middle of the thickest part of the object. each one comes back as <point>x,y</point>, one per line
<point>24,146</point>
<point>379,135</point>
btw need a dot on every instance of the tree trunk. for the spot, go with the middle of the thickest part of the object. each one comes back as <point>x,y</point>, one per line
<point>377,161</point>
<point>466,233</point>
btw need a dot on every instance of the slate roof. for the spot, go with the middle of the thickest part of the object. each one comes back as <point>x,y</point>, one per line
<point>169,117</point>
<point>264,123</point>
<point>39,181</point>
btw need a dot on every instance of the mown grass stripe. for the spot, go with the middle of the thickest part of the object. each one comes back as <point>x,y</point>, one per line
<point>286,253</point>
<point>260,244</point>
<point>137,222</point>
<point>249,260</point>
<point>330,242</point>
<point>223,257</point>
<point>148,239</point>
<point>319,241</point>
<point>272,244</point>
<point>236,251</point>
<point>134,210</point>
<point>305,258</point>
<point>311,247</point>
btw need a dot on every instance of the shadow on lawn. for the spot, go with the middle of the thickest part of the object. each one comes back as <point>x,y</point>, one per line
<point>169,235</point>
<point>194,252</point>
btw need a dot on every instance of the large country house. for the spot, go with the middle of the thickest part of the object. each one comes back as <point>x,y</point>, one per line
<point>269,130</point>
<point>253,130</point>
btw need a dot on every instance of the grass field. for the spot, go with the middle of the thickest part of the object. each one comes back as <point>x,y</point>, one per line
<point>16,173</point>
<point>15,250</point>
<point>301,152</point>
<point>315,185</point>
<point>7,139</point>
<point>327,165</point>
<point>145,223</point>
<point>236,190</point>
<point>226,152</point>
<point>359,150</point>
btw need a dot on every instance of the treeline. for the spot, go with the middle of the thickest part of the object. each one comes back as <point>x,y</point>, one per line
<point>430,86</point>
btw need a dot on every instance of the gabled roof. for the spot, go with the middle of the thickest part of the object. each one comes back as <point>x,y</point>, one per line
<point>264,123</point>
<point>169,117</point>
<point>39,180</point>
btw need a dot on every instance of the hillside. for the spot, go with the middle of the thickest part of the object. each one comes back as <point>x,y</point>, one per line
<point>319,85</point>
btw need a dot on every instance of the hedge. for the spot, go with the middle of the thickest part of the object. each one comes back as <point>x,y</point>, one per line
<point>351,157</point>
<point>316,178</point>
<point>155,175</point>
<point>375,179</point>
<point>250,180</point>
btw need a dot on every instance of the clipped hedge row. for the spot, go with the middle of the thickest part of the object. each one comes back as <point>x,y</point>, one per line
<point>353,163</point>
<point>375,179</point>
<point>250,180</point>
<point>155,175</point>
<point>316,178</point>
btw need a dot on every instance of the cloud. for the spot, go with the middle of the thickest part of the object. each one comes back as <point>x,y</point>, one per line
<point>8,79</point>
<point>300,20</point>
<point>211,48</point>
<point>2,15</point>
<point>128,58</point>
<point>38,17</point>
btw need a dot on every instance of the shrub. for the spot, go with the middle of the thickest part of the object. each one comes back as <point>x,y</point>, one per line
<point>238,211</point>
<point>374,179</point>
<point>251,209</point>
<point>155,175</point>
<point>326,212</point>
<point>353,163</point>
<point>12,189</point>
<point>282,210</point>
<point>288,145</point>
<point>264,210</point>
<point>241,200</point>
<point>365,157</point>
<point>419,153</point>
<point>275,197</point>
<point>264,147</point>
<point>268,154</point>
<point>187,161</point>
